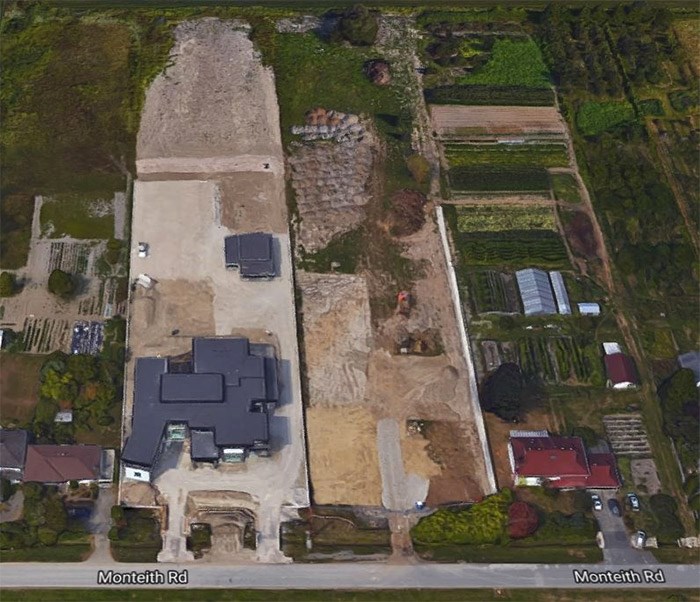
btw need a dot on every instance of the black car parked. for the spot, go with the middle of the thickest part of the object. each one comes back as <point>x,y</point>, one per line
<point>614,507</point>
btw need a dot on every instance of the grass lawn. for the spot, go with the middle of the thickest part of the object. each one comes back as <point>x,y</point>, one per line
<point>390,595</point>
<point>19,386</point>
<point>135,553</point>
<point>78,216</point>
<point>675,555</point>
<point>58,553</point>
<point>512,554</point>
<point>512,63</point>
<point>565,187</point>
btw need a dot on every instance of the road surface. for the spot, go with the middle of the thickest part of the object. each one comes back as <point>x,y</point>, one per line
<point>354,576</point>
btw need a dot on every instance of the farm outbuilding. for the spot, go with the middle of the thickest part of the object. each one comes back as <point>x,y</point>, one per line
<point>560,293</point>
<point>589,309</point>
<point>536,292</point>
<point>621,371</point>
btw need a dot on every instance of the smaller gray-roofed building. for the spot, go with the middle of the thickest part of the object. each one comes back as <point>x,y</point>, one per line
<point>13,453</point>
<point>691,361</point>
<point>535,292</point>
<point>560,293</point>
<point>251,253</point>
<point>589,309</point>
<point>203,448</point>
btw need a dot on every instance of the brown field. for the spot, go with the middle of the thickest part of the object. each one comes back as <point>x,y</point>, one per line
<point>451,119</point>
<point>688,32</point>
<point>19,387</point>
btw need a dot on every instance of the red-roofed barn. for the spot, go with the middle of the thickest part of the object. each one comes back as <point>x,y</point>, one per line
<point>621,371</point>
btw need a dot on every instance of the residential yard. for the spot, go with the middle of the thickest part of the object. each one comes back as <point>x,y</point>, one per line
<point>19,387</point>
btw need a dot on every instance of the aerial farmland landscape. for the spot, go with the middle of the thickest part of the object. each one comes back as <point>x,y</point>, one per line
<point>350,300</point>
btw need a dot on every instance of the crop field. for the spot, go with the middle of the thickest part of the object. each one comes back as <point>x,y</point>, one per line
<point>494,178</point>
<point>512,63</point>
<point>488,291</point>
<point>565,187</point>
<point>498,218</point>
<point>489,95</point>
<point>594,118</point>
<point>496,121</point>
<point>561,360</point>
<point>514,249</point>
<point>541,155</point>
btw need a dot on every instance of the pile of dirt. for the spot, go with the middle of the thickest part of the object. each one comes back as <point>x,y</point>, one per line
<point>331,186</point>
<point>378,72</point>
<point>406,215</point>
<point>579,232</point>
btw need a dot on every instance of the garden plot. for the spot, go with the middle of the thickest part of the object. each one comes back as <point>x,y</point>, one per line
<point>466,122</point>
<point>493,292</point>
<point>560,360</point>
<point>41,335</point>
<point>627,435</point>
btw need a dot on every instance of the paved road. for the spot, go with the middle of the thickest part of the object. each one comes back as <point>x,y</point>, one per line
<point>352,576</point>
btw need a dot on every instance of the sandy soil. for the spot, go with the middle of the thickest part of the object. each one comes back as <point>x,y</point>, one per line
<point>497,120</point>
<point>337,336</point>
<point>194,109</point>
<point>343,458</point>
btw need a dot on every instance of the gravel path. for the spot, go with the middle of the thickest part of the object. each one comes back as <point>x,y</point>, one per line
<point>399,490</point>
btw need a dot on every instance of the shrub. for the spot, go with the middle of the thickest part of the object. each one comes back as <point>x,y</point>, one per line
<point>522,520</point>
<point>419,167</point>
<point>484,522</point>
<point>594,118</point>
<point>46,536</point>
<point>61,284</point>
<point>8,286</point>
<point>502,393</point>
<point>359,26</point>
<point>6,489</point>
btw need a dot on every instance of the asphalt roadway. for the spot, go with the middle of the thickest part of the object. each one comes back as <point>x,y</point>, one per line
<point>352,576</point>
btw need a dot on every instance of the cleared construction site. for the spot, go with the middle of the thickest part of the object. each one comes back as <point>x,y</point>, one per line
<point>209,162</point>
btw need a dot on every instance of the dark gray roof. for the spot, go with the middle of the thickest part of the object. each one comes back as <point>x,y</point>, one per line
<point>252,253</point>
<point>203,446</point>
<point>691,361</point>
<point>13,448</point>
<point>232,375</point>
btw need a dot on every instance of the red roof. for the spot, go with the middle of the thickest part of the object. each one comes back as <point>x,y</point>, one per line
<point>620,368</point>
<point>603,474</point>
<point>549,457</point>
<point>61,463</point>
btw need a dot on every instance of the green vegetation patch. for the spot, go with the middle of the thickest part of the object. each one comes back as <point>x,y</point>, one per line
<point>16,211</point>
<point>497,178</point>
<point>565,187</point>
<point>544,155</point>
<point>489,95</point>
<point>594,118</point>
<point>496,218</point>
<point>512,63</point>
<point>514,249</point>
<point>480,523</point>
<point>77,216</point>
<point>135,535</point>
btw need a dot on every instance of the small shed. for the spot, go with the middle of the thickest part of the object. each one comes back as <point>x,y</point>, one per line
<point>589,309</point>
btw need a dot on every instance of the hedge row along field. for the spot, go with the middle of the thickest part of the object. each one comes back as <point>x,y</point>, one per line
<point>500,218</point>
<point>512,63</point>
<point>542,155</point>
<point>594,118</point>
<point>489,95</point>
<point>513,249</point>
<point>495,178</point>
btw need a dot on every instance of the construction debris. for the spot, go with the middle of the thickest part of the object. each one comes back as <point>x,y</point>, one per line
<point>322,124</point>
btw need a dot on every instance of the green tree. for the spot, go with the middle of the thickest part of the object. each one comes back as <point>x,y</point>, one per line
<point>419,167</point>
<point>61,284</point>
<point>8,286</point>
<point>503,392</point>
<point>83,367</point>
<point>359,26</point>
<point>55,515</point>
<point>47,537</point>
<point>59,387</point>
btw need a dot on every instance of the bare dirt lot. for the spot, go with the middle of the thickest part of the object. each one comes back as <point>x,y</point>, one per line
<point>215,100</point>
<point>462,119</point>
<point>353,363</point>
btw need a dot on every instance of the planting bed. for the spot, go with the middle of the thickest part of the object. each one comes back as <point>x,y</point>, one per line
<point>495,178</point>
<point>499,218</point>
<point>541,155</point>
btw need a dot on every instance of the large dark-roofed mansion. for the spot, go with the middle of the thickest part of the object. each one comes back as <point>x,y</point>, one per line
<point>221,396</point>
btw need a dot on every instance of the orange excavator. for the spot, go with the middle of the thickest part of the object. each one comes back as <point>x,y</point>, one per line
<point>403,303</point>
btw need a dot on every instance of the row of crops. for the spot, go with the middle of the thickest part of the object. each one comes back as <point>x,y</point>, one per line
<point>496,178</point>
<point>540,155</point>
<point>497,218</point>
<point>489,95</point>
<point>561,360</point>
<point>513,249</point>
<point>488,291</point>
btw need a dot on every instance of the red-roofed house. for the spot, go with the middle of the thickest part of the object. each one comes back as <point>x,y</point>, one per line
<point>56,464</point>
<point>561,463</point>
<point>621,371</point>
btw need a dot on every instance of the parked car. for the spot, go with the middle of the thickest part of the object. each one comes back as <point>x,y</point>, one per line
<point>143,249</point>
<point>633,501</point>
<point>597,502</point>
<point>640,538</point>
<point>614,507</point>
